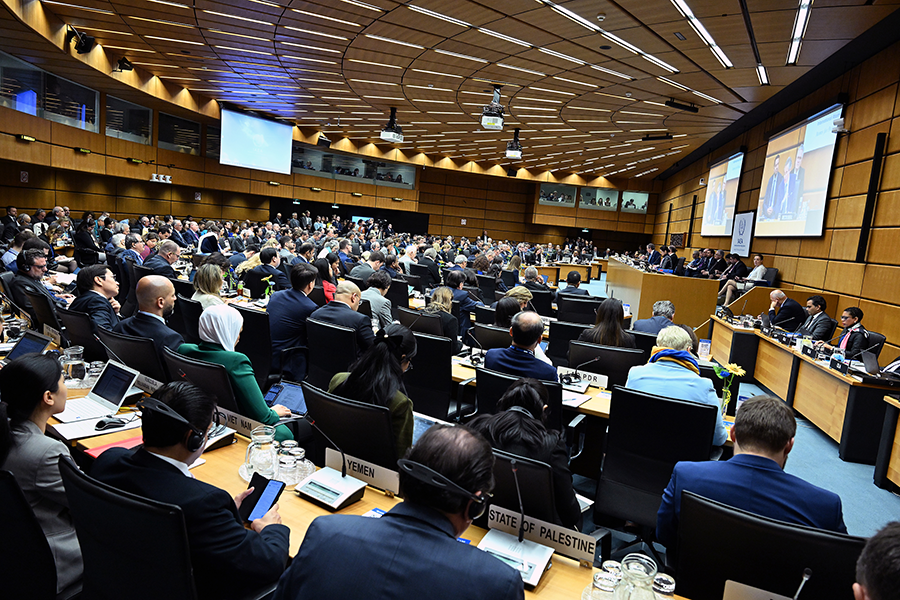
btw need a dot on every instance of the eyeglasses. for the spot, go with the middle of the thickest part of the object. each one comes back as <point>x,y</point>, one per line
<point>845,317</point>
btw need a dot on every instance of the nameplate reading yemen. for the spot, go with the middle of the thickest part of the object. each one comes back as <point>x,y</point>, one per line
<point>372,474</point>
<point>567,542</point>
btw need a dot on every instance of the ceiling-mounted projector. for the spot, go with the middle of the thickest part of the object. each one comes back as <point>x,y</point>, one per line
<point>392,133</point>
<point>514,148</point>
<point>492,114</point>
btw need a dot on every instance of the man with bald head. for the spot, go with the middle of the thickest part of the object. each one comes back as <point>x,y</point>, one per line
<point>156,301</point>
<point>790,315</point>
<point>526,330</point>
<point>342,311</point>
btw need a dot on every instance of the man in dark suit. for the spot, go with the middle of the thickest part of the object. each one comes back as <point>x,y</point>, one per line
<point>288,311</point>
<point>790,315</point>
<point>228,560</point>
<point>754,479</point>
<point>533,283</point>
<point>434,273</point>
<point>270,260</point>
<point>774,192</point>
<point>817,325</point>
<point>32,265</point>
<point>653,257</point>
<point>519,360</point>
<point>156,301</point>
<point>342,311</point>
<point>663,314</point>
<point>167,254</point>
<point>178,235</point>
<point>716,266</point>
<point>237,258</point>
<point>11,216</point>
<point>467,302</point>
<point>412,550</point>
<point>573,283</point>
<point>97,289</point>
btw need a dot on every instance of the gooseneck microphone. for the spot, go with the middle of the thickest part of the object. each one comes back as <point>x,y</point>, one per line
<point>575,377</point>
<point>807,573</point>
<point>858,352</point>
<point>475,360</point>
<point>515,472</point>
<point>330,441</point>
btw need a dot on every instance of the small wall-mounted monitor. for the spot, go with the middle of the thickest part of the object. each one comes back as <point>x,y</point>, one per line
<point>255,143</point>
<point>635,202</point>
<point>721,195</point>
<point>599,199</point>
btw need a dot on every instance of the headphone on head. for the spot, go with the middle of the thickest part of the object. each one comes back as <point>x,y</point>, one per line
<point>428,475</point>
<point>195,440</point>
<point>520,409</point>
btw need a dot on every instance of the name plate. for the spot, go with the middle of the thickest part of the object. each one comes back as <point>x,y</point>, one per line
<point>594,379</point>
<point>53,335</point>
<point>374,475</point>
<point>839,365</point>
<point>766,330</point>
<point>239,423</point>
<point>147,384</point>
<point>567,542</point>
<point>808,351</point>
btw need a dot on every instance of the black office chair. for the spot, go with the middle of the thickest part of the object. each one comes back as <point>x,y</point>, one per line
<point>613,362</point>
<point>6,278</point>
<point>535,481</point>
<point>362,285</point>
<point>542,302</point>
<point>430,384</point>
<point>415,282</point>
<point>317,295</point>
<point>491,385</point>
<point>490,337</point>
<point>487,284</point>
<point>128,282</point>
<point>576,309</point>
<point>718,382</point>
<point>28,565</point>
<point>641,453</point>
<point>771,275</point>
<point>644,342</point>
<point>80,331</point>
<point>138,353</point>
<point>183,287</point>
<point>254,284</point>
<point>831,331</point>
<point>209,377</point>
<point>360,429</point>
<point>334,350</point>
<point>190,311</point>
<point>475,291</point>
<point>420,271</point>
<point>561,333</point>
<point>364,308</point>
<point>484,314</point>
<point>679,266</point>
<point>498,295</point>
<point>256,344</point>
<point>85,256</point>
<point>510,278</point>
<point>140,271</point>
<point>704,564</point>
<point>417,320</point>
<point>877,340</point>
<point>398,294</point>
<point>45,312</point>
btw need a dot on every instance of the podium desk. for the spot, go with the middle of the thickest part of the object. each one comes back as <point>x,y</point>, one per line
<point>887,465</point>
<point>583,270</point>
<point>551,271</point>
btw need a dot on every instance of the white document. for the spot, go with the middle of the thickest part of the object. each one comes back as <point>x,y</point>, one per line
<point>574,399</point>
<point>528,558</point>
<point>77,430</point>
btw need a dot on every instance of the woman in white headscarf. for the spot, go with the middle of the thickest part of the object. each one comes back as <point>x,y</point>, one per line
<point>220,330</point>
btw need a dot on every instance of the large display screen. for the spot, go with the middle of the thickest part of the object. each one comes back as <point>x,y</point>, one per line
<point>635,202</point>
<point>255,143</point>
<point>721,196</point>
<point>795,178</point>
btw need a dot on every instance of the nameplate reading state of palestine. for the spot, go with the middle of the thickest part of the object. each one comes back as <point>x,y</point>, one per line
<point>567,542</point>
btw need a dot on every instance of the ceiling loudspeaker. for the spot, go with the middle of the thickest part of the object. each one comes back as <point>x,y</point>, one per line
<point>702,181</point>
<point>511,172</point>
<point>323,141</point>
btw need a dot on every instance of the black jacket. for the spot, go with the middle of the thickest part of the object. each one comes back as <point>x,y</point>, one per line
<point>277,275</point>
<point>434,273</point>
<point>97,308</point>
<point>146,326</point>
<point>338,313</point>
<point>790,316</point>
<point>160,266</point>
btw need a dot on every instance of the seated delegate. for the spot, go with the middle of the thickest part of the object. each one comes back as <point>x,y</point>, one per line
<point>609,326</point>
<point>737,286</point>
<point>441,304</point>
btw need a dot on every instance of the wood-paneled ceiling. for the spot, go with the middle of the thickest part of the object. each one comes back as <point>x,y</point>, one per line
<point>583,91</point>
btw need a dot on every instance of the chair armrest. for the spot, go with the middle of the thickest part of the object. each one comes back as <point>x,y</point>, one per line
<point>287,353</point>
<point>459,395</point>
<point>575,436</point>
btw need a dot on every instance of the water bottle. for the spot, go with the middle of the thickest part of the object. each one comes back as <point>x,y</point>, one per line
<point>305,467</point>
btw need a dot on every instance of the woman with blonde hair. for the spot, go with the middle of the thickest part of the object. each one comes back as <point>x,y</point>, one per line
<point>208,286</point>
<point>442,305</point>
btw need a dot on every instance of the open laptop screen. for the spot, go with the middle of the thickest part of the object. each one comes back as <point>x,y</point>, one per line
<point>30,342</point>
<point>113,383</point>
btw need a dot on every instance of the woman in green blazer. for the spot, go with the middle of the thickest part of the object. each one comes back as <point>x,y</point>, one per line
<point>220,329</point>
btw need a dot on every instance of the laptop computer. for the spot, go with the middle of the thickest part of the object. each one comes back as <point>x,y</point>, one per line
<point>115,383</point>
<point>739,591</point>
<point>31,341</point>
<point>870,361</point>
<point>288,395</point>
<point>422,423</point>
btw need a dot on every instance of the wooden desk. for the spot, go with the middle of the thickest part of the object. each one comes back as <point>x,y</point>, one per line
<point>551,271</point>
<point>583,270</point>
<point>887,465</point>
<point>694,299</point>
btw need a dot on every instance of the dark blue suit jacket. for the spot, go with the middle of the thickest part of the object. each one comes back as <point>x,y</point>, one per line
<point>146,326</point>
<point>790,316</point>
<point>654,258</point>
<point>466,305</point>
<point>410,552</point>
<point>288,311</point>
<point>277,275</point>
<point>652,325</point>
<point>179,239</point>
<point>97,308</point>
<point>339,313</point>
<point>518,362</point>
<point>160,266</point>
<point>229,561</point>
<point>752,483</point>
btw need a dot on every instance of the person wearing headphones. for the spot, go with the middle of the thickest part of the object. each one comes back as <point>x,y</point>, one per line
<point>412,550</point>
<point>228,560</point>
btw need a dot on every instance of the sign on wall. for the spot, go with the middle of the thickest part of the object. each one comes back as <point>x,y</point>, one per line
<point>742,234</point>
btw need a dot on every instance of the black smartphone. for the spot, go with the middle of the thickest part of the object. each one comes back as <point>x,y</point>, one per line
<point>265,494</point>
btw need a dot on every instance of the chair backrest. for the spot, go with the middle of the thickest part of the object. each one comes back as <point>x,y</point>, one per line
<point>209,377</point>
<point>253,281</point>
<point>190,311</point>
<point>491,337</point>
<point>364,308</point>
<point>491,385</point>
<point>140,272</point>
<point>542,301</point>
<point>156,528</point>
<point>420,271</point>
<point>360,429</point>
<point>335,349</point>
<point>417,320</point>
<point>877,340</point>
<point>484,314</point>
<point>641,452</point>
<point>710,373</point>
<point>771,275</point>
<point>576,309</point>
<point>561,333</point>
<point>6,278</point>
<point>679,266</point>
<point>487,284</point>
<point>498,295</point>
<point>644,341</point>
<point>28,565</point>
<point>429,385</point>
<point>80,331</point>
<point>510,278</point>
<point>256,343</point>
<point>362,285</point>
<point>704,564</point>
<point>615,362</point>
<point>44,311</point>
<point>138,353</point>
<point>477,292</point>
<point>317,295</point>
<point>535,484</point>
<point>183,287</point>
<point>414,281</point>
<point>831,331</point>
<point>398,294</point>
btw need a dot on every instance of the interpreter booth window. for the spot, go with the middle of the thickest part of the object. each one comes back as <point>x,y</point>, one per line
<point>21,86</point>
<point>350,167</point>
<point>70,104</point>
<point>599,199</point>
<point>635,202</point>
<point>213,141</point>
<point>308,161</point>
<point>179,134</point>
<point>128,121</point>
<point>555,194</point>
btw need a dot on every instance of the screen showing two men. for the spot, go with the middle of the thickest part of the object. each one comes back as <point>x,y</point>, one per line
<point>721,196</point>
<point>795,178</point>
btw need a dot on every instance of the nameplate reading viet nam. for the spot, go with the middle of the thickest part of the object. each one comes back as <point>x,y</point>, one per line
<point>567,542</point>
<point>374,475</point>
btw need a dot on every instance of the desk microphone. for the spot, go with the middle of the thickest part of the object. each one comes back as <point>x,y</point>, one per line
<point>113,354</point>
<point>807,573</point>
<point>330,441</point>
<point>475,360</point>
<point>22,313</point>
<point>858,352</point>
<point>515,472</point>
<point>573,378</point>
<point>744,306</point>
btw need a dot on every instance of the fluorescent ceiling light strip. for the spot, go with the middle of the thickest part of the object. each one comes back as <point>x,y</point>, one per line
<point>504,37</point>
<point>219,14</point>
<point>164,39</point>
<point>373,82</point>
<point>617,40</point>
<point>584,83</point>
<point>611,72</point>
<point>162,22</point>
<point>87,8</point>
<point>311,14</point>
<point>393,41</point>
<point>308,47</point>
<point>710,98</point>
<point>438,74</point>
<point>674,84</point>
<point>662,64</point>
<point>562,56</point>
<point>367,62</point>
<point>315,60</point>
<point>311,32</point>
<point>552,91</point>
<point>462,56</point>
<point>437,15</point>
<point>762,74</point>
<point>252,37</point>
<point>363,5</point>
<point>506,66</point>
